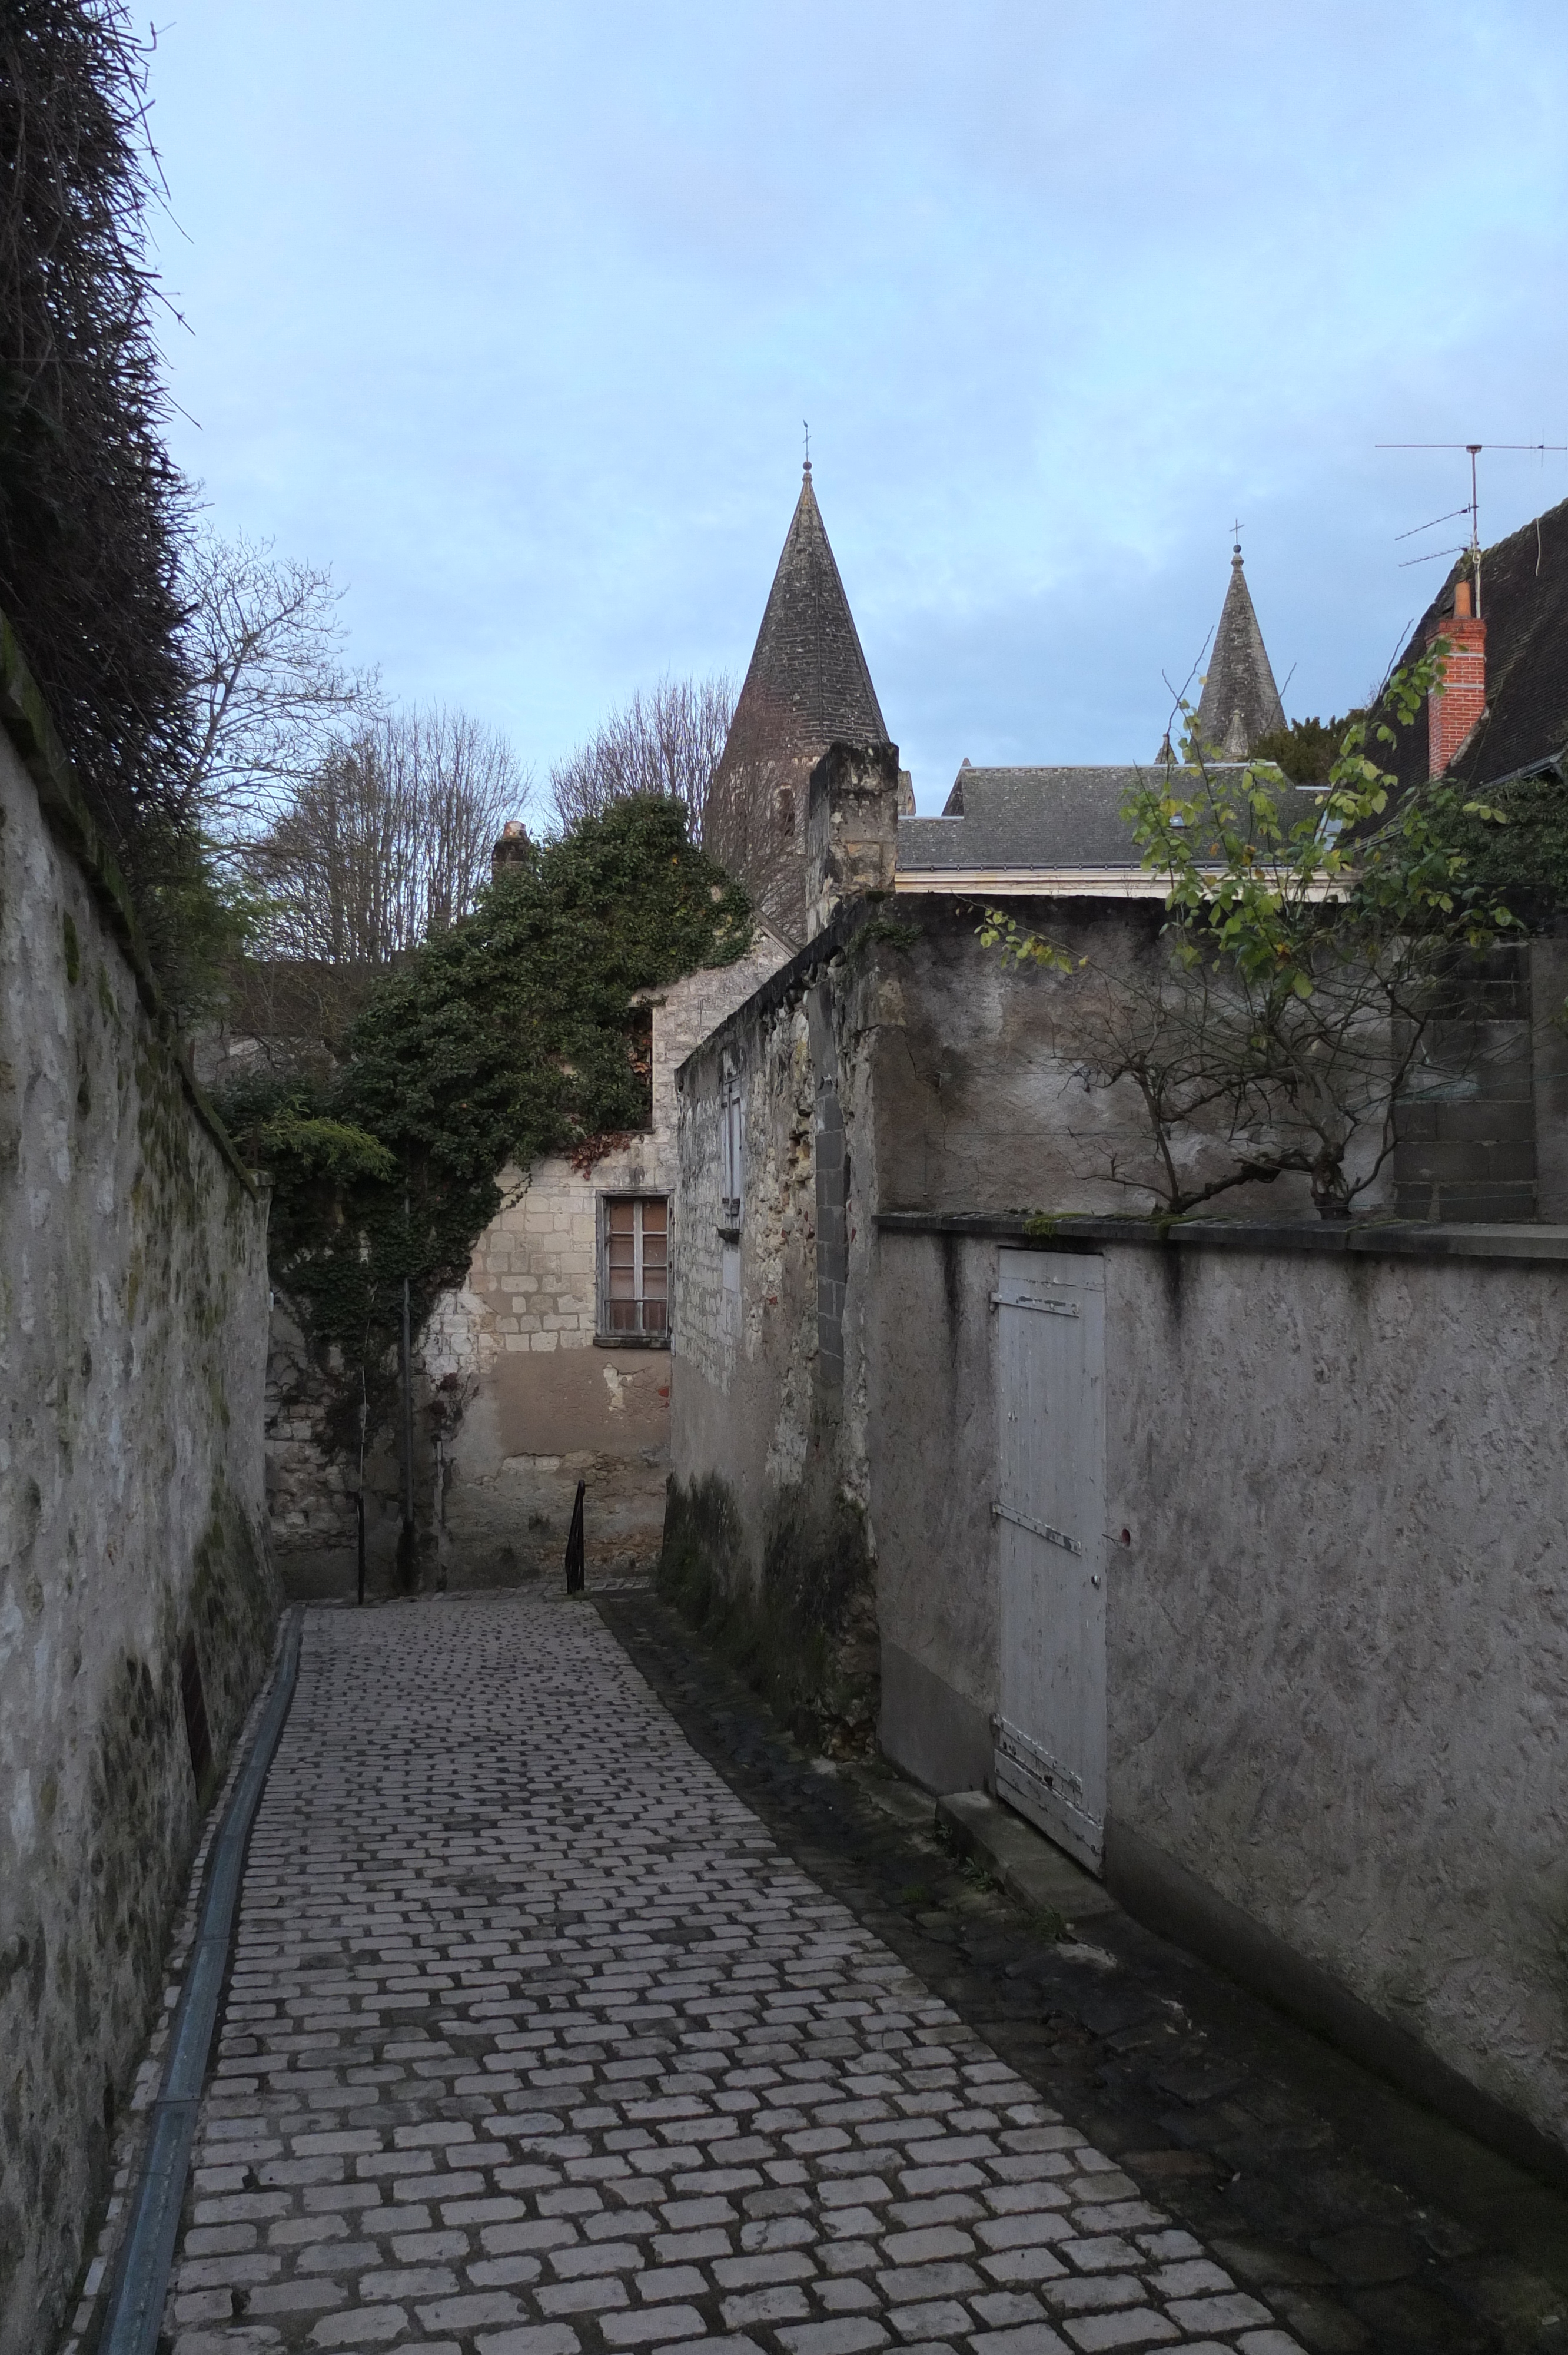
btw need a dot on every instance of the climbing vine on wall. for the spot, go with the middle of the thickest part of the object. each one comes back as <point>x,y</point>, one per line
<point>511,1035</point>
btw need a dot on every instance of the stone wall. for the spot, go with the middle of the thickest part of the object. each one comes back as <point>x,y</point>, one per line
<point>893,1064</point>
<point>1337,1642</point>
<point>1338,1657</point>
<point>132,1338</point>
<point>769,1517</point>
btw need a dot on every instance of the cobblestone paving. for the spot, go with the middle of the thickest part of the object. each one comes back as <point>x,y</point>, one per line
<point>537,2043</point>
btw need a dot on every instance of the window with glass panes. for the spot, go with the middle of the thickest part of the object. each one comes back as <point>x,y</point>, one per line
<point>635,1297</point>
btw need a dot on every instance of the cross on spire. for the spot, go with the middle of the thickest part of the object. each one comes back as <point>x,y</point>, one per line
<point>1237,532</point>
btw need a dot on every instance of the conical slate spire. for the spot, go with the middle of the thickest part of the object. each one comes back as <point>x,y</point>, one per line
<point>1240,701</point>
<point>807,687</point>
<point>808,682</point>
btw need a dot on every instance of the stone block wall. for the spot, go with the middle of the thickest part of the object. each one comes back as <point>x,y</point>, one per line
<point>133,1537</point>
<point>768,1525</point>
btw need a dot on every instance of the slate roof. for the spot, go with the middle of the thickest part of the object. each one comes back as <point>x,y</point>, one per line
<point>1050,820</point>
<point>1524,603</point>
<point>808,685</point>
<point>1240,701</point>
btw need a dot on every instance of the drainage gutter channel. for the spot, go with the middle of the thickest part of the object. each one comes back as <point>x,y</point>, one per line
<point>142,2273</point>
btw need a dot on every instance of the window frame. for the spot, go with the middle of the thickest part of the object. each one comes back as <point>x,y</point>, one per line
<point>732,1144</point>
<point>608,1335</point>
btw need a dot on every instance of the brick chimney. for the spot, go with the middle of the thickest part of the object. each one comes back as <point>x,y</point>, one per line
<point>1453,708</point>
<point>511,850</point>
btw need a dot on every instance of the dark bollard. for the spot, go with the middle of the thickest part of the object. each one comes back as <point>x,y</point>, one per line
<point>574,1570</point>
<point>359,1518</point>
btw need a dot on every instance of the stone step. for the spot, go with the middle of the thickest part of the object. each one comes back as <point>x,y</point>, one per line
<point>1028,1865</point>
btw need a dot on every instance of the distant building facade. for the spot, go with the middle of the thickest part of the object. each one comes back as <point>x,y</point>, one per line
<point>550,1364</point>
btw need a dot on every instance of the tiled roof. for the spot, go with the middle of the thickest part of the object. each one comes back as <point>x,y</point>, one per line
<point>1524,603</point>
<point>1240,701</point>
<point>1050,819</point>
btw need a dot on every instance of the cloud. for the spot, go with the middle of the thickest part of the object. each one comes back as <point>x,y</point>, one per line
<point>516,327</point>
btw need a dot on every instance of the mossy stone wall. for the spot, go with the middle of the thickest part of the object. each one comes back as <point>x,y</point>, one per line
<point>133,1349</point>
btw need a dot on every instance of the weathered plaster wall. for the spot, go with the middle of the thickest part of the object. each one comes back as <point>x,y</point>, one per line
<point>979,1101</point>
<point>894,1063</point>
<point>133,1341</point>
<point>933,1412</point>
<point>1336,1653</point>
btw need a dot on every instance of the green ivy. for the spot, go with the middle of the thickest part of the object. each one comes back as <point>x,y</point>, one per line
<point>511,1035</point>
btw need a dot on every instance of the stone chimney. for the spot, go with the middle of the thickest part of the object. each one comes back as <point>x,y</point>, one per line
<point>511,851</point>
<point>1453,708</point>
<point>852,827</point>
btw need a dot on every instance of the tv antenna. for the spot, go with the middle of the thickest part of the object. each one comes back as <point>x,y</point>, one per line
<point>1473,450</point>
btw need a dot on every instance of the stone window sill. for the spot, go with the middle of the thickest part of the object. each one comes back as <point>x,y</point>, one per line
<point>631,1341</point>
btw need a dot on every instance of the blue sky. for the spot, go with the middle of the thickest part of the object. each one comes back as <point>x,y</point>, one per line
<point>511,315</point>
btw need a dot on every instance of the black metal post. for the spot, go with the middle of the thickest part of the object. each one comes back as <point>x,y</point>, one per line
<point>441,1513</point>
<point>408,1369</point>
<point>576,1573</point>
<point>359,1496</point>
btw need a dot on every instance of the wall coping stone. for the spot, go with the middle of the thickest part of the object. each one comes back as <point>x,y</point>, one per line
<point>26,718</point>
<point>1372,1237</point>
<point>838,935</point>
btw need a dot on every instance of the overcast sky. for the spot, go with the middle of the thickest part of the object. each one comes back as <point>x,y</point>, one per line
<point>510,314</point>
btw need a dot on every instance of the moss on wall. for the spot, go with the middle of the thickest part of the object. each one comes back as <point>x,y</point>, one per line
<point>802,1632</point>
<point>132,1335</point>
<point>233,1609</point>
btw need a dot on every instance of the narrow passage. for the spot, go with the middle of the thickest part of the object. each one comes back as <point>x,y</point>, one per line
<point>536,2043</point>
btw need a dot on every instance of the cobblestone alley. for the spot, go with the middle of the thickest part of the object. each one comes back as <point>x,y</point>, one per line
<point>538,2041</point>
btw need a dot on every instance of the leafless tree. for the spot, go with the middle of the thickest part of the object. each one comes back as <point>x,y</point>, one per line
<point>668,741</point>
<point>273,694</point>
<point>1204,1082</point>
<point>388,840</point>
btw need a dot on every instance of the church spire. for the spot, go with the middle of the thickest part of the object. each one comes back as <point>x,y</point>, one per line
<point>807,687</point>
<point>1240,701</point>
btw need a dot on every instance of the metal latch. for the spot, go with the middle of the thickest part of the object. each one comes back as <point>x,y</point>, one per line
<point>1047,1307</point>
<point>1037,1529</point>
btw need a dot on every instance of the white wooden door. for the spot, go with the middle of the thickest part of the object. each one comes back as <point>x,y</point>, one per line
<point>1050,1728</point>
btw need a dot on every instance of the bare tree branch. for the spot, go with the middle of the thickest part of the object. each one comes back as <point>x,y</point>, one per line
<point>388,840</point>
<point>263,639</point>
<point>666,742</point>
